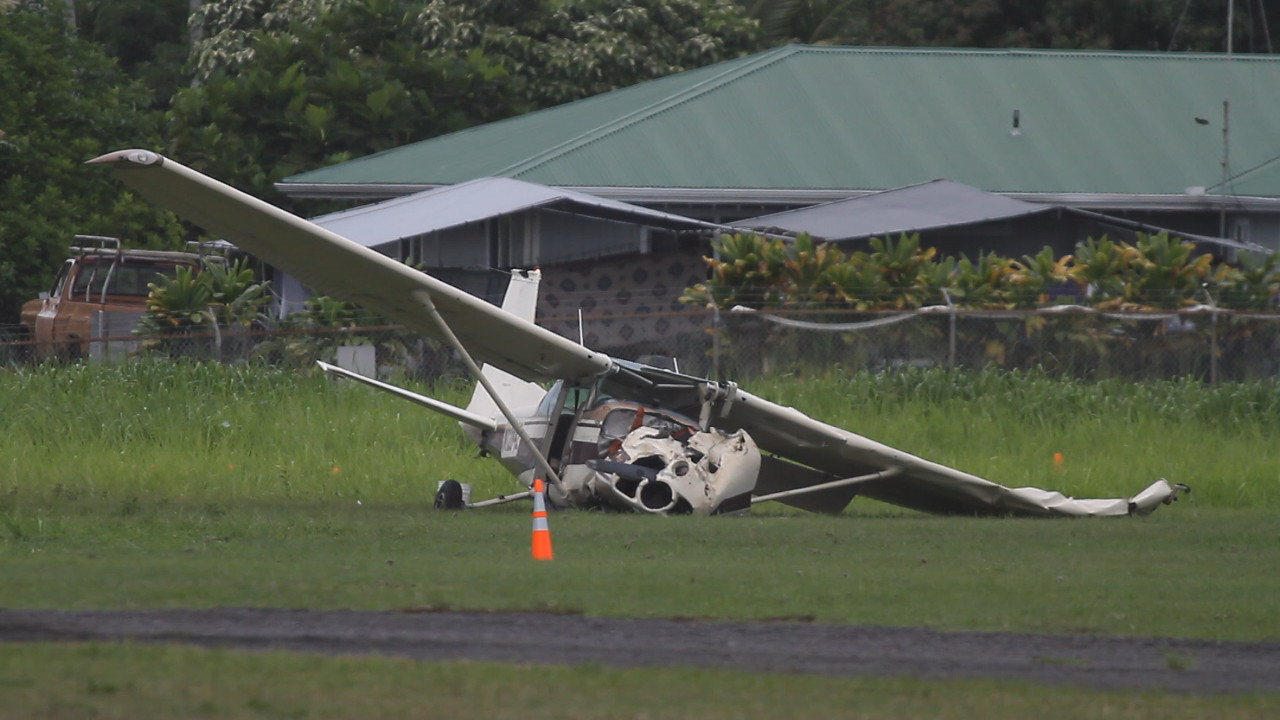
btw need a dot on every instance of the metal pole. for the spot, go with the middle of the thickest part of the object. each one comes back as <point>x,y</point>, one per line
<point>715,320</point>
<point>1226,165</point>
<point>951,335</point>
<point>517,426</point>
<point>1213,337</point>
<point>1231,11</point>
<point>882,475</point>
<point>1213,350</point>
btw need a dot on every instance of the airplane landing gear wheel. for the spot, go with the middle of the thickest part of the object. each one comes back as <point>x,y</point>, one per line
<point>449,496</point>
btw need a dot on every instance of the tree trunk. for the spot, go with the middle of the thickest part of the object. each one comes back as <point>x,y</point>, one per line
<point>195,28</point>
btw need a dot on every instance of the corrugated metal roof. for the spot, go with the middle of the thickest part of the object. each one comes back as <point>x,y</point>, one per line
<point>477,200</point>
<point>807,117</point>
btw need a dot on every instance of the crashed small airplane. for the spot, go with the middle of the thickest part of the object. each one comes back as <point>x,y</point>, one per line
<point>609,432</point>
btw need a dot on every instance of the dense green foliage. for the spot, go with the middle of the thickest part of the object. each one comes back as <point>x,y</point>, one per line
<point>63,101</point>
<point>297,85</point>
<point>1122,300</point>
<point>1065,24</point>
<point>223,296</point>
<point>148,38</point>
<point>274,88</point>
<point>1156,272</point>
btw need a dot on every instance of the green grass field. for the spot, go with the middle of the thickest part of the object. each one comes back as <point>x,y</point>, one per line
<point>105,681</point>
<point>194,485</point>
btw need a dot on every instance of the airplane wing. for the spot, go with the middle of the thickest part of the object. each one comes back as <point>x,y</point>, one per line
<point>918,483</point>
<point>336,266</point>
<point>805,452</point>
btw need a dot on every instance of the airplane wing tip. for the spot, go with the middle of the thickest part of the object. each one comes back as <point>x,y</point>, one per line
<point>135,157</point>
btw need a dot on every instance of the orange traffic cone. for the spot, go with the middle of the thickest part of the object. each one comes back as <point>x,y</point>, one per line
<point>541,533</point>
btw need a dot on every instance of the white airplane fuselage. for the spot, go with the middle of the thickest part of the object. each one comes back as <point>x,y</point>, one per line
<point>621,455</point>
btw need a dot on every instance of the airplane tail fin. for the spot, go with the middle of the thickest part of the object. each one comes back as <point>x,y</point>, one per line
<point>522,301</point>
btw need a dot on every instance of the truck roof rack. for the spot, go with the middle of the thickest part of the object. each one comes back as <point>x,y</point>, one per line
<point>97,244</point>
<point>103,245</point>
<point>211,248</point>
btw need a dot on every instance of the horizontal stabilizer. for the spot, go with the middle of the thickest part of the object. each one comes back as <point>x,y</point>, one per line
<point>444,408</point>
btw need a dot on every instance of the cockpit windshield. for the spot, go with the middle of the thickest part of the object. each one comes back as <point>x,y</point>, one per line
<point>621,421</point>
<point>577,396</point>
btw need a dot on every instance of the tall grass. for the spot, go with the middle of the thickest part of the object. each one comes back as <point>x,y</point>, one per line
<point>218,433</point>
<point>1113,437</point>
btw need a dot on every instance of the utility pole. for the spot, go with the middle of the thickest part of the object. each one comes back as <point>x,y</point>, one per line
<point>1226,168</point>
<point>1231,11</point>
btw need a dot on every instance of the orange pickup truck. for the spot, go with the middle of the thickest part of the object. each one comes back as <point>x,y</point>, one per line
<point>100,292</point>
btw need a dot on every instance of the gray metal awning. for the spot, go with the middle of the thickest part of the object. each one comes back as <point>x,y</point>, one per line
<point>930,206</point>
<point>478,200</point>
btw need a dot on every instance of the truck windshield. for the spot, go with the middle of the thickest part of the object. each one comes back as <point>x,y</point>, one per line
<point>122,278</point>
<point>133,278</point>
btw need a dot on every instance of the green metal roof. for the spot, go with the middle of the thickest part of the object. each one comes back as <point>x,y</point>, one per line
<point>843,118</point>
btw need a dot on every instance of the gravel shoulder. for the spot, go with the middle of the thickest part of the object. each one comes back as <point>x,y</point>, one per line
<point>1192,666</point>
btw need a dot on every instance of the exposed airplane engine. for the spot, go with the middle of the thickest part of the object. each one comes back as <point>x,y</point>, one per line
<point>686,471</point>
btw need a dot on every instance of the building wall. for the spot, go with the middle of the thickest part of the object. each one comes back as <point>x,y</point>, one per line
<point>630,303</point>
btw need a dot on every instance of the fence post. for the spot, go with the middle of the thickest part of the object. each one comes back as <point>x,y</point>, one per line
<point>715,341</point>
<point>217,335</point>
<point>951,330</point>
<point>1213,349</point>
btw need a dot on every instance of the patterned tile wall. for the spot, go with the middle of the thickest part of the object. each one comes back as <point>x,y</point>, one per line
<point>631,300</point>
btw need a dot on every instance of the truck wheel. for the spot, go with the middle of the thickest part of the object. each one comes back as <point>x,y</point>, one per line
<point>70,352</point>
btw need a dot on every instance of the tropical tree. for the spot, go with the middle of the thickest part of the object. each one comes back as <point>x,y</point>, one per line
<point>1254,285</point>
<point>900,270</point>
<point>1033,279</point>
<point>746,269</point>
<point>237,298</point>
<point>1165,272</point>
<point>1101,270</point>
<point>62,101</point>
<point>982,281</point>
<point>1074,24</point>
<point>293,85</point>
<point>188,313</point>
<point>148,38</point>
<point>177,305</point>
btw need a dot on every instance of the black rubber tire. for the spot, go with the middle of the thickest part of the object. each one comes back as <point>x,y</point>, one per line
<point>449,496</point>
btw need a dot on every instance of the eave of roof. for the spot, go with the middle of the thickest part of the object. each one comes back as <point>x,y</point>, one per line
<point>789,197</point>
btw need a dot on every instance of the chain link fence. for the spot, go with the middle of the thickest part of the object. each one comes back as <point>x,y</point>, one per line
<point>1212,346</point>
<point>1203,343</point>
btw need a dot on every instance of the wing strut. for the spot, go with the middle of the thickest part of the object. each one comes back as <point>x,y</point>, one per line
<point>886,473</point>
<point>516,425</point>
